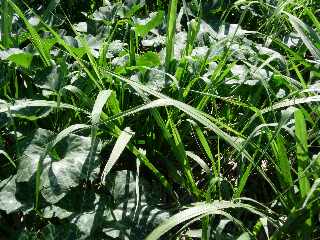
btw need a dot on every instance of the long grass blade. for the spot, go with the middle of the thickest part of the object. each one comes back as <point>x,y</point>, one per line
<point>198,160</point>
<point>8,157</point>
<point>307,35</point>
<point>66,132</point>
<point>101,100</point>
<point>118,148</point>
<point>171,28</point>
<point>302,152</point>
<point>34,36</point>
<point>201,209</point>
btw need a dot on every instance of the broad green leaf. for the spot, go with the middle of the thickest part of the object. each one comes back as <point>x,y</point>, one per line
<point>17,56</point>
<point>34,36</point>
<point>8,201</point>
<point>54,77</point>
<point>156,19</point>
<point>114,48</point>
<point>74,54</point>
<point>64,165</point>
<point>149,59</point>
<point>106,12</point>
<point>120,214</point>
<point>21,59</point>
<point>79,93</point>
<point>136,220</point>
<point>244,236</point>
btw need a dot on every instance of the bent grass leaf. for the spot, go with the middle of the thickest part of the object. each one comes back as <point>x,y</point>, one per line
<point>101,100</point>
<point>198,160</point>
<point>201,209</point>
<point>22,104</point>
<point>289,103</point>
<point>118,148</point>
<point>8,157</point>
<point>307,34</point>
<point>66,132</point>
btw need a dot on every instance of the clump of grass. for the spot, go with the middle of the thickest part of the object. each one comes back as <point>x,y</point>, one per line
<point>159,125</point>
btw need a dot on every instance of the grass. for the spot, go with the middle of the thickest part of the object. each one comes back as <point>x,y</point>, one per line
<point>201,122</point>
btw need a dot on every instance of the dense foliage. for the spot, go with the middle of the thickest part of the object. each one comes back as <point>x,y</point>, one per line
<point>160,120</point>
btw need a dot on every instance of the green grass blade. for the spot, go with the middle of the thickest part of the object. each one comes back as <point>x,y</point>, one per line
<point>200,209</point>
<point>205,145</point>
<point>8,157</point>
<point>313,19</point>
<point>290,103</point>
<point>302,152</point>
<point>171,29</point>
<point>92,60</point>
<point>142,157</point>
<point>182,156</point>
<point>283,163</point>
<point>21,104</point>
<point>101,100</point>
<point>243,180</point>
<point>72,51</point>
<point>313,189</point>
<point>307,34</point>
<point>6,24</point>
<point>66,132</point>
<point>189,110</point>
<point>132,48</point>
<point>198,160</point>
<point>34,36</point>
<point>118,148</point>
